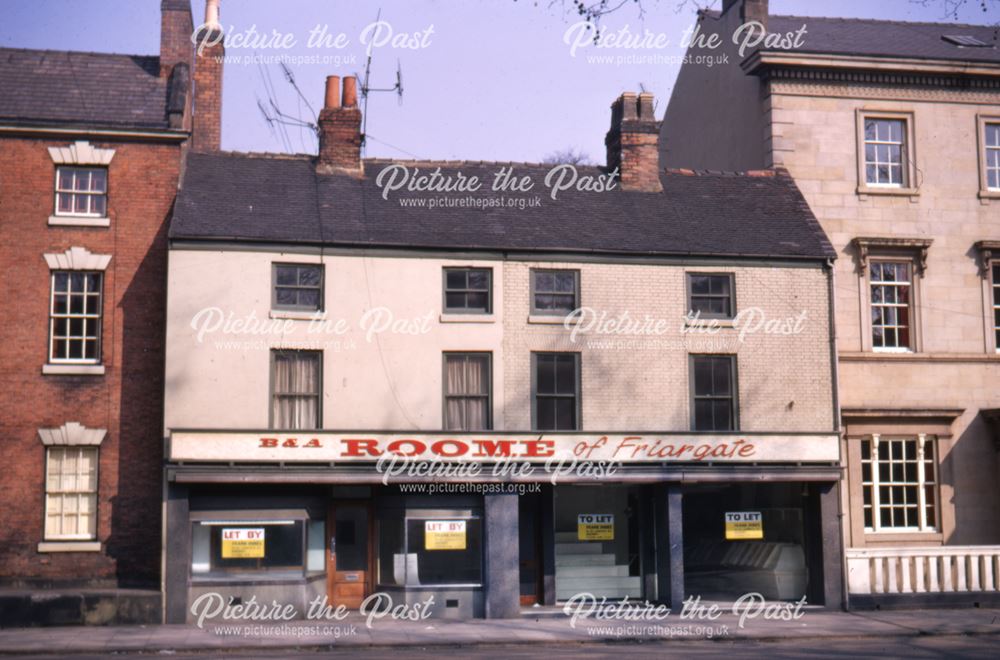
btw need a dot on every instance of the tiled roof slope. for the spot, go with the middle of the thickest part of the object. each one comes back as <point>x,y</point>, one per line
<point>897,39</point>
<point>61,88</point>
<point>231,196</point>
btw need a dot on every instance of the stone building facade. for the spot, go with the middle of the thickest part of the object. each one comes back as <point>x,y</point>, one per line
<point>888,129</point>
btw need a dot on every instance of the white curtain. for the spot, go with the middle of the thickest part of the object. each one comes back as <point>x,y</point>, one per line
<point>467,401</point>
<point>296,390</point>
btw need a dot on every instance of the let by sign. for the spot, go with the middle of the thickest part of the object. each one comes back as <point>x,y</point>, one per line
<point>243,543</point>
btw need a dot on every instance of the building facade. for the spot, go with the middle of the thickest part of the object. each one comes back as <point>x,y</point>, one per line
<point>92,163</point>
<point>335,345</point>
<point>891,131</point>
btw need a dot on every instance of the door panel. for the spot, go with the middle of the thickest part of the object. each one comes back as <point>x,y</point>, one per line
<point>349,574</point>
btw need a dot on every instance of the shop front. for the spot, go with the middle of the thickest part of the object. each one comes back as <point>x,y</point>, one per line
<point>251,518</point>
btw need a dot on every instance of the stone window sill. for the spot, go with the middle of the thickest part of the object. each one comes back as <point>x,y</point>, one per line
<point>987,195</point>
<point>902,537</point>
<point>69,546</point>
<point>73,369</point>
<point>467,318</point>
<point>78,221</point>
<point>552,319</point>
<point>296,316</point>
<point>889,191</point>
<point>710,323</point>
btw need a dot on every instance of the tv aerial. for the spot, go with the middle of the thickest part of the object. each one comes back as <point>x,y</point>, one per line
<point>366,87</point>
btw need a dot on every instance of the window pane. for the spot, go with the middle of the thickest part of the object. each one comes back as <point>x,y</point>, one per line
<point>545,414</point>
<point>98,180</point>
<point>309,276</point>
<point>477,301</point>
<point>565,374</point>
<point>720,377</point>
<point>308,298</point>
<point>702,377</point>
<point>455,279</point>
<point>285,275</point>
<point>437,567</point>
<point>545,381</point>
<point>478,279</point>
<point>565,414</point>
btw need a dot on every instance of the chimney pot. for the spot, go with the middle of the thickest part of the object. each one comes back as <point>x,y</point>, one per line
<point>350,91</point>
<point>332,92</point>
<point>212,13</point>
<point>340,129</point>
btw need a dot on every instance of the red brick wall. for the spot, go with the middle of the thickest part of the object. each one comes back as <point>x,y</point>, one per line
<point>127,400</point>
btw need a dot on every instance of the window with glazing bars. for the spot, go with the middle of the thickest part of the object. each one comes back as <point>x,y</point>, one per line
<point>897,480</point>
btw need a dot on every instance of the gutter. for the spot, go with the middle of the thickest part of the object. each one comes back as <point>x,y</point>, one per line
<point>837,424</point>
<point>167,136</point>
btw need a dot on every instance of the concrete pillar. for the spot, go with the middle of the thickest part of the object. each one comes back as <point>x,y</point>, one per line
<point>833,551</point>
<point>669,546</point>
<point>548,530</point>
<point>177,546</point>
<point>502,579</point>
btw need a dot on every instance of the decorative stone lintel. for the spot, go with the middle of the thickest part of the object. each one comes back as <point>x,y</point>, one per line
<point>72,434</point>
<point>913,247</point>
<point>81,153</point>
<point>988,251</point>
<point>77,258</point>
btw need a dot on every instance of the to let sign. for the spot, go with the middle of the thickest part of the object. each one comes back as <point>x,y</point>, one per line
<point>595,527</point>
<point>444,535</point>
<point>243,543</point>
<point>744,525</point>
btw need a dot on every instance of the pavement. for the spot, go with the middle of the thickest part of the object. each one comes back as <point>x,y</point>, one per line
<point>542,626</point>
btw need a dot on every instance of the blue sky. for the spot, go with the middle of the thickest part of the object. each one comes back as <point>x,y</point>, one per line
<point>494,79</point>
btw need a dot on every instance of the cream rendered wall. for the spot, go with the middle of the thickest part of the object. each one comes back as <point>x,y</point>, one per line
<point>390,382</point>
<point>395,382</point>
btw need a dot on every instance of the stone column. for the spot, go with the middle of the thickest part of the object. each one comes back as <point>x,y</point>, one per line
<point>669,546</point>
<point>833,550</point>
<point>177,548</point>
<point>501,549</point>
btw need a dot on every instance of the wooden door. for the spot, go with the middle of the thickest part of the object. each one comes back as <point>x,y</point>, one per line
<point>349,557</point>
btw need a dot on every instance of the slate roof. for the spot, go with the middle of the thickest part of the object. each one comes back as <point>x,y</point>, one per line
<point>245,197</point>
<point>852,36</point>
<point>874,38</point>
<point>64,88</point>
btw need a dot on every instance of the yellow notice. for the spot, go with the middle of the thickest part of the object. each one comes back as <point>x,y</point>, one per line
<point>744,525</point>
<point>243,543</point>
<point>444,535</point>
<point>595,527</point>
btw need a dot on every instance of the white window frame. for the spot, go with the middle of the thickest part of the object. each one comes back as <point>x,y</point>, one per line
<point>89,193</point>
<point>910,307</point>
<point>70,316</point>
<point>985,190</point>
<point>923,442</point>
<point>908,154</point>
<point>64,494</point>
<point>994,267</point>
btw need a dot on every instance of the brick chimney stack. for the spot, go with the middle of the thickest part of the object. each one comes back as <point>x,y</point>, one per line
<point>340,128</point>
<point>750,10</point>
<point>176,27</point>
<point>209,54</point>
<point>632,143</point>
